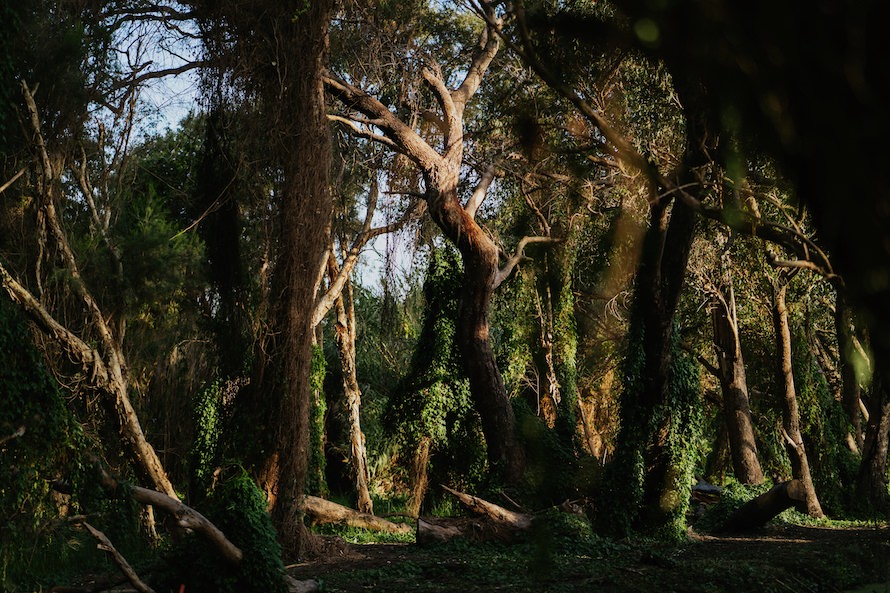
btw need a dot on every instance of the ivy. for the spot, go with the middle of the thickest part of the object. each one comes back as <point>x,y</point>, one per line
<point>239,509</point>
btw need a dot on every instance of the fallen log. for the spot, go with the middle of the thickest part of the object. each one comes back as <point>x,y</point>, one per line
<point>322,511</point>
<point>757,512</point>
<point>185,516</point>
<point>519,521</point>
<point>430,533</point>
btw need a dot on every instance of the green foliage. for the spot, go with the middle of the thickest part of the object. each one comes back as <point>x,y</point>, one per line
<point>824,425</point>
<point>434,399</point>
<point>49,448</point>
<point>733,496</point>
<point>238,508</point>
<point>208,424</point>
<point>315,481</point>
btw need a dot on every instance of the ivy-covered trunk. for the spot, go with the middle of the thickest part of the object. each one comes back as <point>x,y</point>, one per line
<point>479,256</point>
<point>648,478</point>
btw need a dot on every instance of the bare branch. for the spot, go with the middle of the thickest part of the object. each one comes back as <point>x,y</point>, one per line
<point>76,348</point>
<point>518,256</point>
<point>13,179</point>
<point>19,432</point>
<point>481,191</point>
<point>48,207</point>
<point>410,143</point>
<point>106,546</point>
<point>132,81</point>
<point>353,125</point>
<point>340,272</point>
<point>185,516</point>
<point>488,48</point>
<point>451,120</point>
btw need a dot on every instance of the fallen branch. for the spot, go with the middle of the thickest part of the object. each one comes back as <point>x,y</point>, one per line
<point>325,511</point>
<point>758,511</point>
<point>185,517</point>
<point>431,533</point>
<point>499,514</point>
<point>106,546</point>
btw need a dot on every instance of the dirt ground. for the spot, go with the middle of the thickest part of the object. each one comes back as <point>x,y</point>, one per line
<point>780,558</point>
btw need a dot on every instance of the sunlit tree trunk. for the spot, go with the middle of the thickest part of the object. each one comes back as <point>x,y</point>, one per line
<point>733,383</point>
<point>345,338</point>
<point>800,467</point>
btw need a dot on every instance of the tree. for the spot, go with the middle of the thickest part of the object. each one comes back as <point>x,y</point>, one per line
<point>282,53</point>
<point>800,466</point>
<point>441,175</point>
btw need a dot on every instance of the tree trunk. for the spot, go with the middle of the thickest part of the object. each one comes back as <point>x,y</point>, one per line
<point>419,475</point>
<point>325,511</point>
<point>299,143</point>
<point>480,261</point>
<point>851,392</point>
<point>800,467</point>
<point>757,512</point>
<point>872,479</point>
<point>345,338</point>
<point>734,385</point>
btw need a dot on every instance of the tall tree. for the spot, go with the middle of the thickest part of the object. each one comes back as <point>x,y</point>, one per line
<point>733,381</point>
<point>276,53</point>
<point>441,171</point>
<point>800,466</point>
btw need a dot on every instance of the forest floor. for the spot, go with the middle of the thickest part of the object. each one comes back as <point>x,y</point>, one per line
<point>779,558</point>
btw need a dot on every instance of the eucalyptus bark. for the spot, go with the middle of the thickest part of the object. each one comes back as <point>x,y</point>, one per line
<point>734,385</point>
<point>344,335</point>
<point>480,255</point>
<point>800,467</point>
<point>480,261</point>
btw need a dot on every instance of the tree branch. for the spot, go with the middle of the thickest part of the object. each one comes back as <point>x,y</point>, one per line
<point>132,81</point>
<point>185,516</point>
<point>13,179</point>
<point>518,256</point>
<point>488,48</point>
<point>341,272</point>
<point>481,191</point>
<point>353,125</point>
<point>76,348</point>
<point>409,142</point>
<point>106,546</point>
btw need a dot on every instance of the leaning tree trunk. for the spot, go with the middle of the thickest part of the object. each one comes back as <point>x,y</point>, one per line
<point>480,261</point>
<point>872,479</point>
<point>800,467</point>
<point>482,275</point>
<point>734,385</point>
<point>345,338</point>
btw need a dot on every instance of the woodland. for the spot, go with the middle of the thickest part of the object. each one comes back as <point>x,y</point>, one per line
<point>525,295</point>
